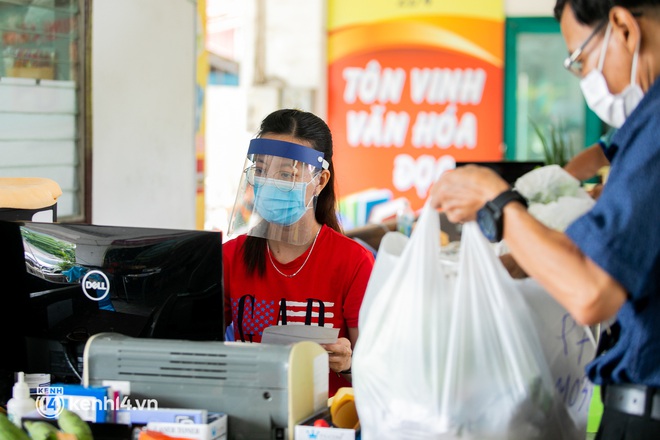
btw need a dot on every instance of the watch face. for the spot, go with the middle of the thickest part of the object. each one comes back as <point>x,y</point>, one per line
<point>487,224</point>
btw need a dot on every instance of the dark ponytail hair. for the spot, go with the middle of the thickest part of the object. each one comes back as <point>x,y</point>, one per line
<point>310,128</point>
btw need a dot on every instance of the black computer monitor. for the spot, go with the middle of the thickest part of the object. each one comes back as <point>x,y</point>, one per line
<point>65,282</point>
<point>509,170</point>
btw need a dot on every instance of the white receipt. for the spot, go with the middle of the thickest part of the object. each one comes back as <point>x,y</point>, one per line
<point>287,334</point>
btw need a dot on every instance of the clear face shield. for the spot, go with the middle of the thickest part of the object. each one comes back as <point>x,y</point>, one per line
<point>276,197</point>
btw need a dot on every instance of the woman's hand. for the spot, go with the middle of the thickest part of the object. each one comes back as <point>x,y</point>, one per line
<point>460,193</point>
<point>340,354</point>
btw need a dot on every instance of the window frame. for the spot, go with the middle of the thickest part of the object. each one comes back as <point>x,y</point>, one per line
<point>515,26</point>
<point>81,190</point>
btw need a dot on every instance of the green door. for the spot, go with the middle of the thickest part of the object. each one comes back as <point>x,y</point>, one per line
<point>538,90</point>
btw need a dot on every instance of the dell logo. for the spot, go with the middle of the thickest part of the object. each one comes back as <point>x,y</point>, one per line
<point>95,285</point>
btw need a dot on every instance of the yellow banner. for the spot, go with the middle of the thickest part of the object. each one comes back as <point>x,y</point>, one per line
<point>202,71</point>
<point>343,13</point>
<point>481,42</point>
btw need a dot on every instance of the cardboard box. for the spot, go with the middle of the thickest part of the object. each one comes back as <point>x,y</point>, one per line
<point>92,404</point>
<point>137,416</point>
<point>215,429</point>
<point>32,72</point>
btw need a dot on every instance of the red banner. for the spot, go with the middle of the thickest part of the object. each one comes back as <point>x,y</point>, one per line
<point>408,97</point>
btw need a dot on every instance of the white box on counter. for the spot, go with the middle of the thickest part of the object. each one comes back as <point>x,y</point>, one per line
<point>307,432</point>
<point>215,429</point>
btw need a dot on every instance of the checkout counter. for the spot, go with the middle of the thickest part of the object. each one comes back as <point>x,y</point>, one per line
<point>265,389</point>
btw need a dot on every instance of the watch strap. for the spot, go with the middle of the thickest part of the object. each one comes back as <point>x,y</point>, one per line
<point>510,195</point>
<point>493,214</point>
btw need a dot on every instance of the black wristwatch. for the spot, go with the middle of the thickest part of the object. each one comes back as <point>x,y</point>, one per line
<point>490,217</point>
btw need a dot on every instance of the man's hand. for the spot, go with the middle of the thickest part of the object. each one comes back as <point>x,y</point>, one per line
<point>460,193</point>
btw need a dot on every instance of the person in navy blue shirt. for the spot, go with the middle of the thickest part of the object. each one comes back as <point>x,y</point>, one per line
<point>605,267</point>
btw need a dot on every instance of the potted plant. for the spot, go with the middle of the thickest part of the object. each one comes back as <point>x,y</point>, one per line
<point>556,147</point>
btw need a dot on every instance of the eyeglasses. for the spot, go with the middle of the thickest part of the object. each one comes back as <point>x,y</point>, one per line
<point>571,62</point>
<point>284,180</point>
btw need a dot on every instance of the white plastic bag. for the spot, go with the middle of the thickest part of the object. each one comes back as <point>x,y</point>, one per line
<point>450,352</point>
<point>555,197</point>
<point>568,347</point>
<point>498,384</point>
<point>397,362</point>
<point>548,183</point>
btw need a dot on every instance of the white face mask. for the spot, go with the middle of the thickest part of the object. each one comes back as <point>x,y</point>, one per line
<point>611,109</point>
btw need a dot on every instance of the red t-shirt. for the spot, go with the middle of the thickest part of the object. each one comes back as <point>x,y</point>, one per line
<point>327,291</point>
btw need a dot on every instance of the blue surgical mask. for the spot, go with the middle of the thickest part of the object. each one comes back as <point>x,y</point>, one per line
<point>279,206</point>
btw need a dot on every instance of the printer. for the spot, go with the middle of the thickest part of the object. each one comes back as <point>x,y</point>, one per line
<point>265,389</point>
